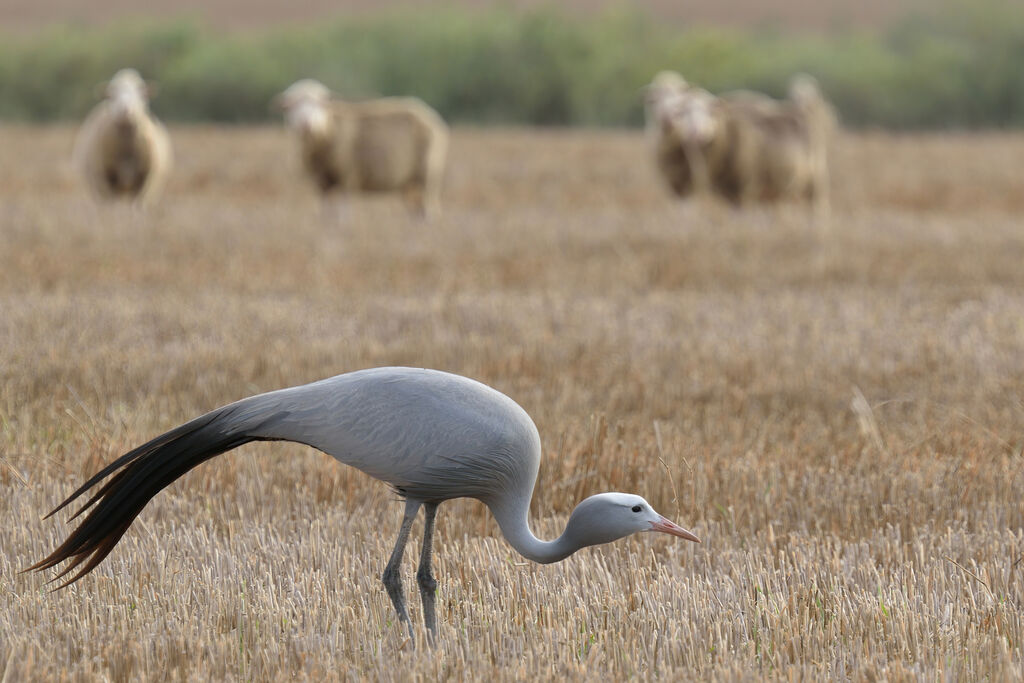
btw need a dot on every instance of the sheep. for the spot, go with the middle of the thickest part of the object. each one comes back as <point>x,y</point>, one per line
<point>665,98</point>
<point>122,150</point>
<point>745,146</point>
<point>382,145</point>
<point>822,121</point>
<point>781,148</point>
<point>681,126</point>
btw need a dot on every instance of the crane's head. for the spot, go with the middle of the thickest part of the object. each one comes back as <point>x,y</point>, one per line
<point>610,516</point>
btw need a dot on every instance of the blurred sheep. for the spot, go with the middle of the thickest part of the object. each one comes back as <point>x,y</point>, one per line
<point>393,144</point>
<point>744,146</point>
<point>821,122</point>
<point>665,100</point>
<point>122,150</point>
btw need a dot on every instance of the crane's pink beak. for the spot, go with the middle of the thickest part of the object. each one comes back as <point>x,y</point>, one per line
<point>665,526</point>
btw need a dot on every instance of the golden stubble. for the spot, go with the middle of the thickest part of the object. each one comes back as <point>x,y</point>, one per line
<point>839,410</point>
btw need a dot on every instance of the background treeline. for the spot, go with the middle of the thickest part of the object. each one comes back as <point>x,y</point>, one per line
<point>959,65</point>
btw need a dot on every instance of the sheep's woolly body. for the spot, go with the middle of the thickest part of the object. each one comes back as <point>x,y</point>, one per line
<point>121,149</point>
<point>772,154</point>
<point>782,144</point>
<point>394,144</point>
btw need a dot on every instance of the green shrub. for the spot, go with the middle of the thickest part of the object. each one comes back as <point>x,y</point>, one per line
<point>957,66</point>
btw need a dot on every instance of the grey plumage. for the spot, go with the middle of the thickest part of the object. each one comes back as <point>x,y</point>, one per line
<point>431,435</point>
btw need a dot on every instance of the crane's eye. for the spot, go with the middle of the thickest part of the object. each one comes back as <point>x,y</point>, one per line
<point>637,508</point>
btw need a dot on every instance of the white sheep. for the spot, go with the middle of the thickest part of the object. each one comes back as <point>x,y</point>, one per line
<point>122,150</point>
<point>392,144</point>
<point>665,100</point>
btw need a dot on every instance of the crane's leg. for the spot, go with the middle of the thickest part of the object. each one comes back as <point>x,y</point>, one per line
<point>392,578</point>
<point>424,577</point>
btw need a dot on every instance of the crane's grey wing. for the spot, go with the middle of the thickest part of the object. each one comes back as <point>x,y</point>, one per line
<point>431,435</point>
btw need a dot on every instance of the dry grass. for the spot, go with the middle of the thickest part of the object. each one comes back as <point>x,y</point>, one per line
<point>841,413</point>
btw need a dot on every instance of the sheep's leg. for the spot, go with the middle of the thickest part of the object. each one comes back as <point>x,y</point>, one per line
<point>423,201</point>
<point>392,572</point>
<point>433,174</point>
<point>750,190</point>
<point>699,172</point>
<point>821,199</point>
<point>334,209</point>
<point>431,199</point>
<point>415,199</point>
<point>750,181</point>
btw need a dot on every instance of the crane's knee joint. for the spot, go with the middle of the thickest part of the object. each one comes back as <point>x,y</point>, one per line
<point>391,579</point>
<point>426,582</point>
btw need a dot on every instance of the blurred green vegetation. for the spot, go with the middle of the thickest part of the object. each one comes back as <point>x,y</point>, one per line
<point>959,65</point>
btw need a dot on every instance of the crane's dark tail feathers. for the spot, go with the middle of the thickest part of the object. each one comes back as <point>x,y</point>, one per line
<point>144,471</point>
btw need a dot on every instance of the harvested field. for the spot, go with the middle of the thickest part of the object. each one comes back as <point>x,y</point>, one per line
<point>838,414</point>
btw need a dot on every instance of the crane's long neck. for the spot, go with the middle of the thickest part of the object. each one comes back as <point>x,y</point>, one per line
<point>515,527</point>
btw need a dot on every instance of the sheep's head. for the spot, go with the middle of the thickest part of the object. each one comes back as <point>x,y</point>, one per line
<point>668,81</point>
<point>128,94</point>
<point>305,106</point>
<point>662,97</point>
<point>693,117</point>
<point>804,90</point>
<point>666,85</point>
